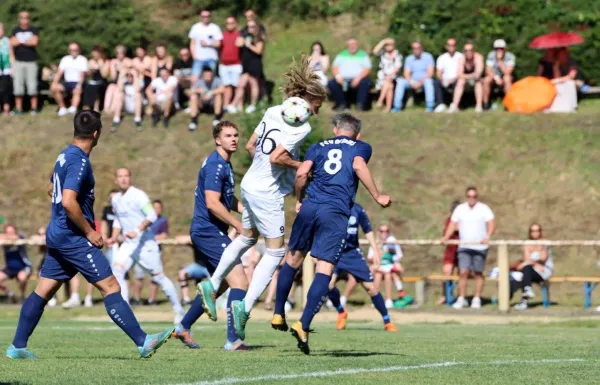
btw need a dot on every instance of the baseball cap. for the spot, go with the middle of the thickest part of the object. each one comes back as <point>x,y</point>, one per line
<point>499,43</point>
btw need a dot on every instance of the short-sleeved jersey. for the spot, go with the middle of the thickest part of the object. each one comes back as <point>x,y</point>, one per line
<point>130,210</point>
<point>72,171</point>
<point>334,181</point>
<point>268,180</point>
<point>358,217</point>
<point>16,256</point>
<point>216,174</point>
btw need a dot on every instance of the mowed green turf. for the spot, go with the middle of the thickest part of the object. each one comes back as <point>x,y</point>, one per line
<point>98,353</point>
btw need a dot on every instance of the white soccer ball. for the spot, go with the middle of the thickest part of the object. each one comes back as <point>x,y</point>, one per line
<point>295,111</point>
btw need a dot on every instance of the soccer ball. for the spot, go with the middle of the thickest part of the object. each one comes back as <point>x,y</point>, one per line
<point>295,111</point>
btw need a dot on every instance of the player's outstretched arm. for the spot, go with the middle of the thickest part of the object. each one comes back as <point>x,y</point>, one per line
<point>216,208</point>
<point>366,178</point>
<point>71,206</point>
<point>282,157</point>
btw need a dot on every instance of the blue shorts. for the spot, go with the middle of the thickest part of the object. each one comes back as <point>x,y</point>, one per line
<point>196,271</point>
<point>62,264</point>
<point>200,64</point>
<point>70,86</point>
<point>12,272</point>
<point>321,230</point>
<point>353,262</point>
<point>210,247</point>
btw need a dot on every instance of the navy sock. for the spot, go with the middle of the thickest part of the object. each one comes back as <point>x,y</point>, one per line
<point>193,313</point>
<point>234,295</point>
<point>314,299</point>
<point>120,313</point>
<point>31,312</point>
<point>284,286</point>
<point>379,304</point>
<point>334,297</point>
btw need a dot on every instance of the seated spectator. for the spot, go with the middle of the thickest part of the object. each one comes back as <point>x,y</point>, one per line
<point>7,59</point>
<point>557,66</point>
<point>390,270</point>
<point>143,64</point>
<point>95,85</point>
<point>319,61</point>
<point>205,42</point>
<point>350,70</point>
<point>73,67</point>
<point>390,64</point>
<point>500,65</point>
<point>118,65</point>
<point>182,70</point>
<point>128,99</point>
<point>253,44</point>
<point>418,74</point>
<point>470,71</point>
<point>450,254</point>
<point>207,97</point>
<point>161,60</point>
<point>17,263</point>
<point>537,265</point>
<point>230,69</point>
<point>447,73</point>
<point>160,96</point>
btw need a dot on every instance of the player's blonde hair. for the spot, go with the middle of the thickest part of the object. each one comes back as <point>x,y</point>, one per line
<point>303,82</point>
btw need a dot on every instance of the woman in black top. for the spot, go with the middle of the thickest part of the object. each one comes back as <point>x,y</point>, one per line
<point>161,60</point>
<point>95,85</point>
<point>252,46</point>
<point>557,65</point>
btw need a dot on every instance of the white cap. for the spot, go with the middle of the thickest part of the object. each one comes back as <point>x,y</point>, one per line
<point>500,43</point>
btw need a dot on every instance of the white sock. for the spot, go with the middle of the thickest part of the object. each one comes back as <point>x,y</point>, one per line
<point>230,257</point>
<point>75,297</point>
<point>343,300</point>
<point>168,288</point>
<point>137,119</point>
<point>263,273</point>
<point>116,120</point>
<point>399,285</point>
<point>120,276</point>
<point>186,299</point>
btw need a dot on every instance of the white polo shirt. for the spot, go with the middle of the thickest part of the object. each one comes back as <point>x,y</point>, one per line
<point>73,67</point>
<point>449,66</point>
<point>209,33</point>
<point>472,223</point>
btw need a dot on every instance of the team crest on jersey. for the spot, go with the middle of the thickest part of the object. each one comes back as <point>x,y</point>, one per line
<point>61,159</point>
<point>352,220</point>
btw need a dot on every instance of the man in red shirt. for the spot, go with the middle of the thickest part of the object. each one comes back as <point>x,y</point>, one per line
<point>450,255</point>
<point>230,68</point>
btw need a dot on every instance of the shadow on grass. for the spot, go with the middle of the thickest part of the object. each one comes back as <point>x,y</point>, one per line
<point>352,353</point>
<point>259,347</point>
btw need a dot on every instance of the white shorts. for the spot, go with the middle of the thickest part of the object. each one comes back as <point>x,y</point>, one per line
<point>129,104</point>
<point>230,74</point>
<point>265,215</point>
<point>146,255</point>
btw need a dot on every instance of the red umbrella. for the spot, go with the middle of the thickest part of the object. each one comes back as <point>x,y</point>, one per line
<point>556,39</point>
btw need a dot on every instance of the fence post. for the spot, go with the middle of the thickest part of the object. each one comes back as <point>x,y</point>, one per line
<point>308,274</point>
<point>503,279</point>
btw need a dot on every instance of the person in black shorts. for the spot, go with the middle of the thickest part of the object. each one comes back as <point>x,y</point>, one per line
<point>252,44</point>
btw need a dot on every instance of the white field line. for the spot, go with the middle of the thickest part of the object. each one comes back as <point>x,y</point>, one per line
<point>108,328</point>
<point>339,372</point>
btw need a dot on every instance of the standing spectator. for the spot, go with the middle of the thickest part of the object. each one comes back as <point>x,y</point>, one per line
<point>161,60</point>
<point>250,15</point>
<point>350,70</point>
<point>230,68</point>
<point>537,265</point>
<point>447,72</point>
<point>475,224</point>
<point>160,95</point>
<point>98,72</point>
<point>470,71</point>
<point>182,70</point>
<point>143,64</point>
<point>253,44</point>
<point>500,65</point>
<point>74,67</point>
<point>390,64</point>
<point>118,66</point>
<point>319,61</point>
<point>205,42</point>
<point>128,98</point>
<point>450,254</point>
<point>17,262</point>
<point>207,97</point>
<point>25,40</point>
<point>418,74</point>
<point>7,60</point>
<point>558,66</point>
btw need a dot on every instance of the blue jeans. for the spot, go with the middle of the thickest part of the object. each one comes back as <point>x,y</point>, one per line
<point>402,85</point>
<point>199,64</point>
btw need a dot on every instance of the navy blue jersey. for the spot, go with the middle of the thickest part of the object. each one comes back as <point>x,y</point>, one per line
<point>16,256</point>
<point>358,217</point>
<point>216,174</point>
<point>72,171</point>
<point>334,181</point>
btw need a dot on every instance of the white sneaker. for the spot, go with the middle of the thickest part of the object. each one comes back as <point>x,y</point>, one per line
<point>231,109</point>
<point>460,303</point>
<point>521,305</point>
<point>453,109</point>
<point>72,302</point>
<point>250,109</point>
<point>476,303</point>
<point>343,300</point>
<point>72,110</point>
<point>192,126</point>
<point>528,292</point>
<point>179,317</point>
<point>440,108</point>
<point>87,302</point>
<point>62,111</point>
<point>215,122</point>
<point>598,309</point>
<point>478,109</point>
<point>52,302</point>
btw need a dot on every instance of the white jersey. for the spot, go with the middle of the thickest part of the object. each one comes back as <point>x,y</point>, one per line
<point>267,180</point>
<point>129,211</point>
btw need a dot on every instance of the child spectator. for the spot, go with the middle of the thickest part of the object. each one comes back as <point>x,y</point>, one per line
<point>450,254</point>
<point>390,269</point>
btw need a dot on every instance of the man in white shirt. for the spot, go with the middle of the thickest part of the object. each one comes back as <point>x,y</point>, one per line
<point>74,68</point>
<point>205,41</point>
<point>475,224</point>
<point>133,216</point>
<point>161,93</point>
<point>447,70</point>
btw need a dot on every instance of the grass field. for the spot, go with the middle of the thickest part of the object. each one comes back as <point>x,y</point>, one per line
<point>96,352</point>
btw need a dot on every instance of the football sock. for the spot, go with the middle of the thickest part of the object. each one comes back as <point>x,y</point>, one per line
<point>399,285</point>
<point>234,295</point>
<point>334,296</point>
<point>284,286</point>
<point>379,304</point>
<point>120,313</point>
<point>193,313</point>
<point>31,312</point>
<point>263,273</point>
<point>169,289</point>
<point>314,299</point>
<point>231,255</point>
